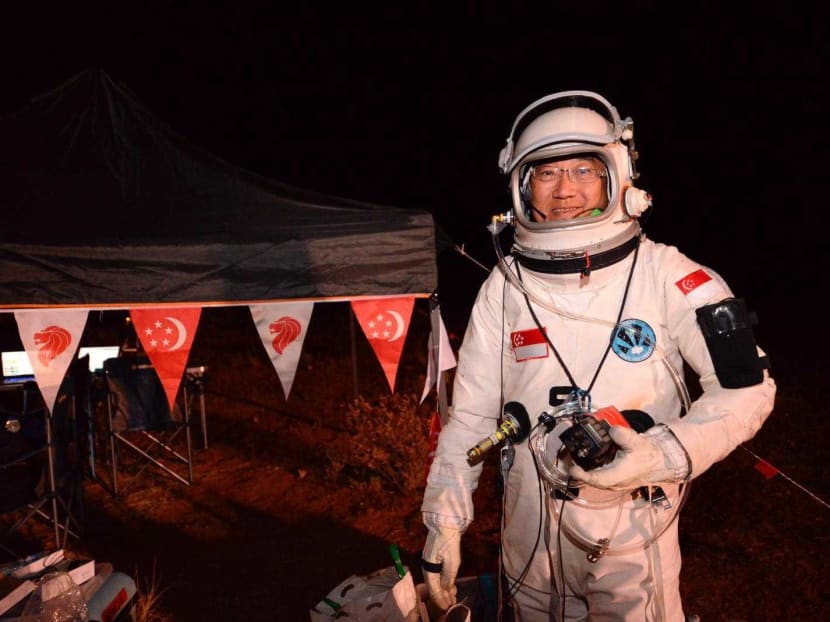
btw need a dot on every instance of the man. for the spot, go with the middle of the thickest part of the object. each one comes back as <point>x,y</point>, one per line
<point>576,343</point>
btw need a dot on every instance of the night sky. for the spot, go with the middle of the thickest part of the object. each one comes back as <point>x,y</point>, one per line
<point>410,107</point>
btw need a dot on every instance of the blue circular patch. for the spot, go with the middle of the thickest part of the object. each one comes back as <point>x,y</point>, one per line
<point>634,341</point>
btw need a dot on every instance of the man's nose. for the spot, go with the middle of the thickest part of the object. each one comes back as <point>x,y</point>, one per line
<point>563,185</point>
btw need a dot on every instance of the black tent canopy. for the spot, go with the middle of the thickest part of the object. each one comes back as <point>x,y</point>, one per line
<point>105,206</point>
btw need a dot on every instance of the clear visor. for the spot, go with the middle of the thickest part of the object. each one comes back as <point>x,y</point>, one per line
<point>521,179</point>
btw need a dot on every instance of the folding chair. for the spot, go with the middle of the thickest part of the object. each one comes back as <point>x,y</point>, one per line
<point>38,467</point>
<point>23,461</point>
<point>140,425</point>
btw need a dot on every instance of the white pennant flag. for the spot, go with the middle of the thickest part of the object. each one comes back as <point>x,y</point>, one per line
<point>50,338</point>
<point>282,326</point>
<point>446,359</point>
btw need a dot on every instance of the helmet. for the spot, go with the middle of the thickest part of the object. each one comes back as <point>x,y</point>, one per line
<point>561,125</point>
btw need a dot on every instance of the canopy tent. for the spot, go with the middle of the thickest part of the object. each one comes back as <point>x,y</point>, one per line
<point>105,206</point>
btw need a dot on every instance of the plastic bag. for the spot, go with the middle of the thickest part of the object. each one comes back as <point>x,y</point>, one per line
<point>382,596</point>
<point>57,598</point>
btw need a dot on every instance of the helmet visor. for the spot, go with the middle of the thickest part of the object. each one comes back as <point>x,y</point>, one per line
<point>564,187</point>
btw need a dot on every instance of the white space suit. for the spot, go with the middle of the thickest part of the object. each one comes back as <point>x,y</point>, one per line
<point>595,304</point>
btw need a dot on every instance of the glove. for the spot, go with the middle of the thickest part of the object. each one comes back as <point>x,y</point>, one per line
<point>440,561</point>
<point>642,459</point>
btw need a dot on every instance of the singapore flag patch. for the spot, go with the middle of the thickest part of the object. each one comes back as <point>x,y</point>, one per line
<point>529,344</point>
<point>699,287</point>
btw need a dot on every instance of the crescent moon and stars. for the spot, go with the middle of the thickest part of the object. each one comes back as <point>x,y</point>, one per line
<point>381,327</point>
<point>689,284</point>
<point>164,342</point>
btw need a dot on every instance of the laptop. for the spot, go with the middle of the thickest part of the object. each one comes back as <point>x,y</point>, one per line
<point>97,356</point>
<point>16,367</point>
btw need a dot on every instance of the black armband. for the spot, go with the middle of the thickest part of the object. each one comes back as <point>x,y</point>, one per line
<point>727,328</point>
<point>432,566</point>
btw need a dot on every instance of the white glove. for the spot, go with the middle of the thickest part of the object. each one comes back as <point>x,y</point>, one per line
<point>642,459</point>
<point>442,548</point>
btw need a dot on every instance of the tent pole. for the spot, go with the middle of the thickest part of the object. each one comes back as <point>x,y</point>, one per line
<point>354,351</point>
<point>435,352</point>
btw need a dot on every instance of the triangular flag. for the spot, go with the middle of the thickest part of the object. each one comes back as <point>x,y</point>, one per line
<point>50,338</point>
<point>166,335</point>
<point>766,469</point>
<point>446,359</point>
<point>434,432</point>
<point>385,322</point>
<point>282,326</point>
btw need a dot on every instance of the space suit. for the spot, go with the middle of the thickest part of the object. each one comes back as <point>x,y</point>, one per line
<point>584,317</point>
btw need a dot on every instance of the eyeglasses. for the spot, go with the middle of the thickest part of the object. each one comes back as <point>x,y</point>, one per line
<point>578,174</point>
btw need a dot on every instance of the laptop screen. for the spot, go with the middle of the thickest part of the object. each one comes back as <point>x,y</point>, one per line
<point>97,356</point>
<point>16,365</point>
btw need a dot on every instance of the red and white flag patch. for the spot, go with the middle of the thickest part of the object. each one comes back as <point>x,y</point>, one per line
<point>693,280</point>
<point>529,344</point>
<point>699,287</point>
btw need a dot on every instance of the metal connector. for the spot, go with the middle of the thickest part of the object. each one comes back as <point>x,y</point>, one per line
<point>499,221</point>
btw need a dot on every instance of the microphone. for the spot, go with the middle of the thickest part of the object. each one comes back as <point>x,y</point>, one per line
<point>515,426</point>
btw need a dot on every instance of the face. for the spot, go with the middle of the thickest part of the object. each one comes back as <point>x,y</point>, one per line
<point>555,196</point>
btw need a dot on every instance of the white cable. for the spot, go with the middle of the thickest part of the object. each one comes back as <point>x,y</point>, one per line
<point>656,572</point>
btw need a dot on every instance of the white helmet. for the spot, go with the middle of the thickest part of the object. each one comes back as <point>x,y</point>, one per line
<point>560,125</point>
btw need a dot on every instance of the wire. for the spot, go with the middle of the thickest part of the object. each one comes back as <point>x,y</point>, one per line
<point>517,582</point>
<point>460,250</point>
<point>574,386</point>
<point>680,385</point>
<point>560,560</point>
<point>676,377</point>
<point>788,478</point>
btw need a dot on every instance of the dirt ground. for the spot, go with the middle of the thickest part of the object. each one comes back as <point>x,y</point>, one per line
<point>288,500</point>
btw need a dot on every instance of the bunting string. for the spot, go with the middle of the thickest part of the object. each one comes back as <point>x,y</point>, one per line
<point>778,471</point>
<point>461,251</point>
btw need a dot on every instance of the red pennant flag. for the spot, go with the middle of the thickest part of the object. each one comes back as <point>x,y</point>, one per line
<point>385,322</point>
<point>766,469</point>
<point>166,335</point>
<point>434,431</point>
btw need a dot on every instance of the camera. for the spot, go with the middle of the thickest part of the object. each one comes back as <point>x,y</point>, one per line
<point>588,442</point>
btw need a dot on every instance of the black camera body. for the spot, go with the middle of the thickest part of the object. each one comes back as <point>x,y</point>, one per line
<point>588,442</point>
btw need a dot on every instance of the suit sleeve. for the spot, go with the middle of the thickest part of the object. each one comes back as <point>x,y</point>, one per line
<point>720,419</point>
<point>473,415</point>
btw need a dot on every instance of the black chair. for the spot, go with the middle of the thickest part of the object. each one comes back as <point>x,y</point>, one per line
<point>141,430</point>
<point>39,478</point>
